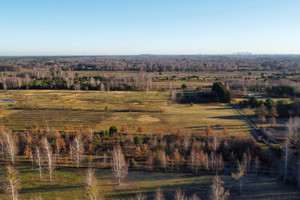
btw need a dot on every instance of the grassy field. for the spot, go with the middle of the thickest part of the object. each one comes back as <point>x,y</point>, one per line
<point>86,109</point>
<point>68,184</point>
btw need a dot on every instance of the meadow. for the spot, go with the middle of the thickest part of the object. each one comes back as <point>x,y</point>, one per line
<point>100,110</point>
<point>68,184</point>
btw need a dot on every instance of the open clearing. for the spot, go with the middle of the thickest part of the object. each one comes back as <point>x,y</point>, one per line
<point>68,184</point>
<point>57,108</point>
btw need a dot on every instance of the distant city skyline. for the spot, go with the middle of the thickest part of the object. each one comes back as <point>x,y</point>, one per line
<point>133,27</point>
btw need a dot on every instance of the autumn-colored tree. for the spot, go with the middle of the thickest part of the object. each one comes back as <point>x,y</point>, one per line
<point>261,113</point>
<point>177,158</point>
<point>140,130</point>
<point>208,131</point>
<point>225,131</point>
<point>124,129</point>
<point>28,153</point>
<point>273,115</point>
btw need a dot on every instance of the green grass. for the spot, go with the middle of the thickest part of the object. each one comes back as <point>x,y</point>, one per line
<point>68,184</point>
<point>87,108</point>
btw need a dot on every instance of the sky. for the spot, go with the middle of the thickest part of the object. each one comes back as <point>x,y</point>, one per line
<point>130,27</point>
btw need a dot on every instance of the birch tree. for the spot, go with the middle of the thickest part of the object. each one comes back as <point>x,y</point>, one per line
<point>194,197</point>
<point>91,185</point>
<point>118,162</point>
<point>285,158</point>
<point>159,195</point>
<point>11,183</point>
<point>179,195</point>
<point>217,190</point>
<point>77,149</point>
<point>38,160</point>
<point>139,196</point>
<point>10,146</point>
<point>49,157</point>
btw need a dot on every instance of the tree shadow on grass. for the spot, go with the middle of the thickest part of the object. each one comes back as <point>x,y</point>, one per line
<point>230,117</point>
<point>216,127</point>
<point>49,188</point>
<point>223,108</point>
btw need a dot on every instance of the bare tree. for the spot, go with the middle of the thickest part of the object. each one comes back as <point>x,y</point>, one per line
<point>149,161</point>
<point>118,162</point>
<point>10,146</point>
<point>77,149</point>
<point>194,197</point>
<point>261,113</point>
<point>286,157</point>
<point>50,160</point>
<point>161,156</point>
<point>186,141</point>
<point>159,195</point>
<point>12,183</point>
<point>91,185</point>
<point>38,160</point>
<point>139,196</point>
<point>217,190</point>
<point>179,195</point>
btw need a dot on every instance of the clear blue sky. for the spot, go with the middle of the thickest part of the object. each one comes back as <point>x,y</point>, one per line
<point>98,27</point>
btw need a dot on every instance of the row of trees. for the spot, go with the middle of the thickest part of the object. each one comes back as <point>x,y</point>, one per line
<point>282,107</point>
<point>175,152</point>
<point>55,78</point>
<point>199,153</point>
<point>91,188</point>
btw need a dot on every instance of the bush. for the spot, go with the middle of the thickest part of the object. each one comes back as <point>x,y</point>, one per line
<point>138,140</point>
<point>113,130</point>
<point>254,102</point>
<point>104,133</point>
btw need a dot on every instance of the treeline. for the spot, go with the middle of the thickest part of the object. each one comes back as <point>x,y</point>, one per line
<point>282,107</point>
<point>282,91</point>
<point>10,68</point>
<point>148,63</point>
<point>56,78</point>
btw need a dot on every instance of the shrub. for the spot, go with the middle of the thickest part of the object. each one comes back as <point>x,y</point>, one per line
<point>113,130</point>
<point>138,140</point>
